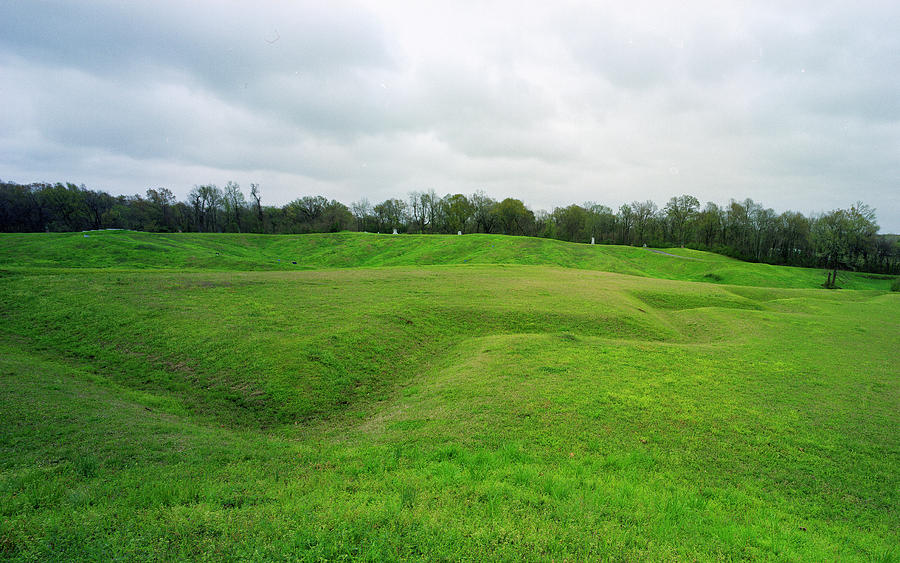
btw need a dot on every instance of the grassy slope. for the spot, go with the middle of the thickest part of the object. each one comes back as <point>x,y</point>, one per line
<point>129,250</point>
<point>451,411</point>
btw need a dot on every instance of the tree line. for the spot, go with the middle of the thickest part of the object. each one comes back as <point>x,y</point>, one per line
<point>840,239</point>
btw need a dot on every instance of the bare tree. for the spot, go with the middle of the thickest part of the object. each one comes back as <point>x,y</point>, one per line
<point>254,193</point>
<point>234,203</point>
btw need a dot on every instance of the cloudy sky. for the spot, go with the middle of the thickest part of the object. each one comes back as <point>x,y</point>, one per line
<point>793,104</point>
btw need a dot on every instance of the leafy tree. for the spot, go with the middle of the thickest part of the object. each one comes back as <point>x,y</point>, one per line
<point>21,208</point>
<point>66,206</point>
<point>642,212</point>
<point>134,212</point>
<point>315,214</point>
<point>483,211</point>
<point>97,205</point>
<point>390,214</point>
<point>793,237</point>
<point>862,233</point>
<point>709,224</point>
<point>886,255</point>
<point>736,230</point>
<point>162,201</point>
<point>336,217</point>
<point>762,221</point>
<point>681,212</point>
<point>12,207</point>
<point>570,223</point>
<point>840,235</point>
<point>458,211</point>
<point>600,222</point>
<point>544,225</point>
<point>843,239</point>
<point>514,217</point>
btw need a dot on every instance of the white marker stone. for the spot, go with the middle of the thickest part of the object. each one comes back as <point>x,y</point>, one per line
<point>592,240</point>
<point>395,232</point>
<point>458,232</point>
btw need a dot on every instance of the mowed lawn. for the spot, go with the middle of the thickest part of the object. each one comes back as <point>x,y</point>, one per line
<point>456,411</point>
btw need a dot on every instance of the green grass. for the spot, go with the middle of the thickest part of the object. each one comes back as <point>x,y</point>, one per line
<point>248,252</point>
<point>455,411</point>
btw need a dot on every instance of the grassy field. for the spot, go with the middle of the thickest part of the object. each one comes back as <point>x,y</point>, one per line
<point>242,252</point>
<point>481,398</point>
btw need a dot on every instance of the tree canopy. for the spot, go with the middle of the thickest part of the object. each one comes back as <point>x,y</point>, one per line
<point>745,229</point>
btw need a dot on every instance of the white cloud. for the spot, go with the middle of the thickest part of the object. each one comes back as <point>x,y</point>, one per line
<point>795,106</point>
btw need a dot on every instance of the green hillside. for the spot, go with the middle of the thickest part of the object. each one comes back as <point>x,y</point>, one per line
<point>229,252</point>
<point>483,398</point>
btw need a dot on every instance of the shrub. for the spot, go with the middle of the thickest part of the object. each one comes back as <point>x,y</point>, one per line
<point>895,286</point>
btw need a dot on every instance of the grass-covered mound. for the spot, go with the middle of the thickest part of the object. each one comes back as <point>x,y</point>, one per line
<point>459,411</point>
<point>243,252</point>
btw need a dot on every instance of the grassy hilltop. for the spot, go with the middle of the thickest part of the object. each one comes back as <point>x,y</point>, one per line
<point>251,252</point>
<point>484,397</point>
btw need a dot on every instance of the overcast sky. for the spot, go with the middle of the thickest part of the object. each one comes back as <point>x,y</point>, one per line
<point>795,105</point>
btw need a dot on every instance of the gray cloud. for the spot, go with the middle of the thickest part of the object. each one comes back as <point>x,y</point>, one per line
<point>796,106</point>
<point>223,42</point>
